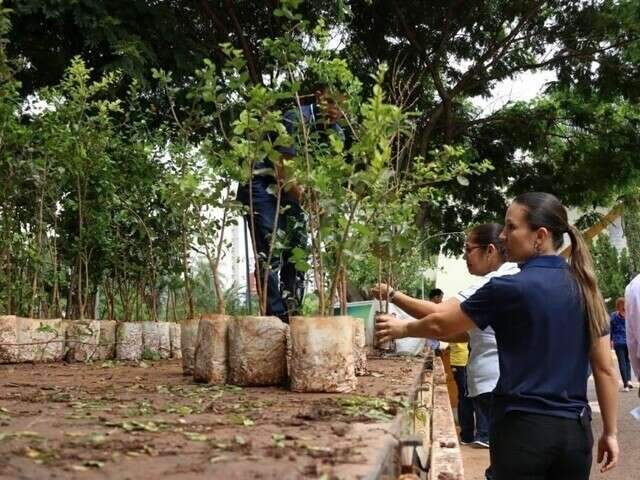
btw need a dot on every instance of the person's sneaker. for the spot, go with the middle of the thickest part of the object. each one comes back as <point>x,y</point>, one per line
<point>462,442</point>
<point>630,386</point>
<point>481,443</point>
<point>626,389</point>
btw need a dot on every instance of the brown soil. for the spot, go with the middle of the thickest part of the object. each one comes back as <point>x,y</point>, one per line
<point>130,421</point>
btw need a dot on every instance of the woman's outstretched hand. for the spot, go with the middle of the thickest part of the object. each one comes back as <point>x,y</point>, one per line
<point>389,328</point>
<point>381,291</point>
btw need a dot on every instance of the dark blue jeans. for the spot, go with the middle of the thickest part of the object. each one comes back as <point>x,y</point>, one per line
<point>482,409</point>
<point>465,406</point>
<point>285,284</point>
<point>622,352</point>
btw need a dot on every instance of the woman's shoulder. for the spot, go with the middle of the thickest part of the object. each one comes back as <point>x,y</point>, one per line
<point>506,286</point>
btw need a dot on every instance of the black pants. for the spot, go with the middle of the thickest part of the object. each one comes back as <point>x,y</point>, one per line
<point>465,405</point>
<point>482,406</point>
<point>482,409</point>
<point>528,446</point>
<point>622,352</point>
<point>285,283</point>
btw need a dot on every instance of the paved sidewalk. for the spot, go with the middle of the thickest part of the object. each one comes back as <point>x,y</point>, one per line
<point>475,462</point>
<point>628,436</point>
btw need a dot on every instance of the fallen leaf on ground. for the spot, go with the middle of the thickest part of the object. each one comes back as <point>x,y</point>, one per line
<point>4,435</point>
<point>217,459</point>
<point>196,437</point>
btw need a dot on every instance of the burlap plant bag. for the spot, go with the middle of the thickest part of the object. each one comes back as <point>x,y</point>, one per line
<point>257,351</point>
<point>322,354</point>
<point>107,344</point>
<point>211,350</point>
<point>49,337</point>
<point>359,347</point>
<point>188,339</point>
<point>8,339</point>
<point>174,339</point>
<point>31,340</point>
<point>83,339</point>
<point>27,351</point>
<point>156,342</point>
<point>129,341</point>
<point>288,340</point>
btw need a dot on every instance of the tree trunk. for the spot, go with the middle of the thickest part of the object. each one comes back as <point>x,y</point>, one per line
<point>54,259</point>
<point>185,266</point>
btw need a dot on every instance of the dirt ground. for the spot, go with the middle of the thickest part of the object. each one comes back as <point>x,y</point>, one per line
<point>129,421</point>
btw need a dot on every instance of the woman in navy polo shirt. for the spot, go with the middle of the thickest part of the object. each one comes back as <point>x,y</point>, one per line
<point>550,323</point>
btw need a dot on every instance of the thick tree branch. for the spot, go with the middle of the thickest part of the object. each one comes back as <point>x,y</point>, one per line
<point>217,23</point>
<point>497,50</point>
<point>244,42</point>
<point>409,31</point>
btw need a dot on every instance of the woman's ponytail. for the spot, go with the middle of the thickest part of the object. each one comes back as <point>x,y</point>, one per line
<point>582,267</point>
<point>545,210</point>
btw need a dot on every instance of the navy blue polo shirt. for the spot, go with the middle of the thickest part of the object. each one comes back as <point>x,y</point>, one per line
<point>618,329</point>
<point>542,335</point>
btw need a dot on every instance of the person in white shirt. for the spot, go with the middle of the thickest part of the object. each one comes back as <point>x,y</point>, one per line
<point>632,312</point>
<point>484,253</point>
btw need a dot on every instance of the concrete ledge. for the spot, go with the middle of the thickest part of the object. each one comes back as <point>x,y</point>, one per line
<point>422,441</point>
<point>446,458</point>
<point>385,442</point>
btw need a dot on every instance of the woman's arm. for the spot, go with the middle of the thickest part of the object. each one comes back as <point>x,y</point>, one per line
<point>442,325</point>
<point>606,380</point>
<point>413,306</point>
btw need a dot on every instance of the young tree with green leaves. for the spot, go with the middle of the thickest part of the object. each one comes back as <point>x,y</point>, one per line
<point>612,269</point>
<point>631,228</point>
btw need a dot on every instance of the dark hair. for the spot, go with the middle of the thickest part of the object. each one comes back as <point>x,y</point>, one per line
<point>488,234</point>
<point>545,211</point>
<point>436,292</point>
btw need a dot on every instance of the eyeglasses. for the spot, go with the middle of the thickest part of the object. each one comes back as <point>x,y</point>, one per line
<point>468,250</point>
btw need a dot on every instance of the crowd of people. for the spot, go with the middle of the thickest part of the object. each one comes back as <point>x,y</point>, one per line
<point>537,328</point>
